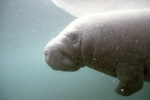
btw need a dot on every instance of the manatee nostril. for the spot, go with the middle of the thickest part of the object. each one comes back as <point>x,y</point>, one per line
<point>46,52</point>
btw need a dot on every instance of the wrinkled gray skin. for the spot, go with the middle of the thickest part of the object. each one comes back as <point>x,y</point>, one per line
<point>116,43</point>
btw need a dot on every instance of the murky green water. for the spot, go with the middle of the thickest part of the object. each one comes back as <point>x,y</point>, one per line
<point>25,28</point>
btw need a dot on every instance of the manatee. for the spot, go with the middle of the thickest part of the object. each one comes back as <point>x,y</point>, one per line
<point>115,43</point>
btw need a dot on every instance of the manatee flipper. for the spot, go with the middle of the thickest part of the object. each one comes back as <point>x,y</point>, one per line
<point>131,79</point>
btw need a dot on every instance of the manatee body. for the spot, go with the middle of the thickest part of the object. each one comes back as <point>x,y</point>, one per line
<point>115,43</point>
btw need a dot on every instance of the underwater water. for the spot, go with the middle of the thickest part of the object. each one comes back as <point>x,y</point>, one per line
<point>26,26</point>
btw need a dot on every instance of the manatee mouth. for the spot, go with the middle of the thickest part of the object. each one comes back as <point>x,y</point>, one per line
<point>58,61</point>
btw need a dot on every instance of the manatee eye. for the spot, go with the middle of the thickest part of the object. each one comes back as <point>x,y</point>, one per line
<point>73,38</point>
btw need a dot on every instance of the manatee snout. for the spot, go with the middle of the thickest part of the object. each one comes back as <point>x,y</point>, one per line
<point>57,57</point>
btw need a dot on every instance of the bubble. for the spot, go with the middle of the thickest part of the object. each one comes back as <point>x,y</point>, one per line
<point>113,81</point>
<point>122,90</point>
<point>136,41</point>
<point>93,76</point>
<point>117,48</point>
<point>58,90</point>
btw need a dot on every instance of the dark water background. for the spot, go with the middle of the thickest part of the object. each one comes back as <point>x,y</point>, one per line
<point>26,26</point>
